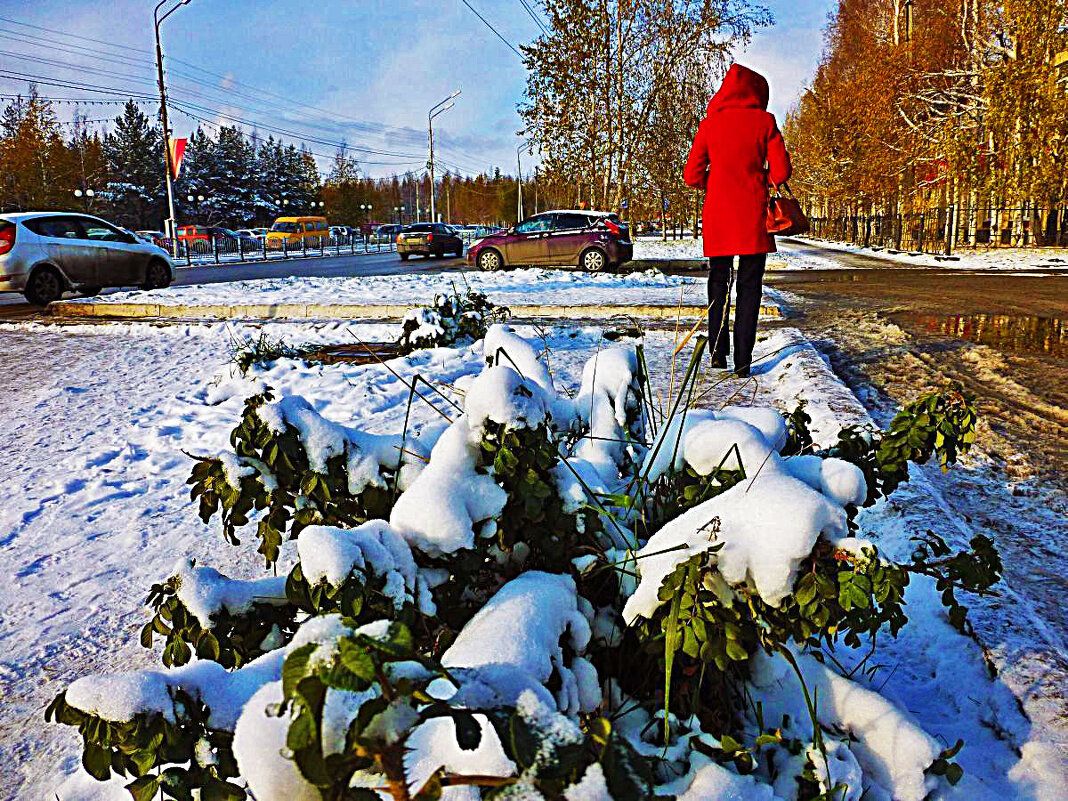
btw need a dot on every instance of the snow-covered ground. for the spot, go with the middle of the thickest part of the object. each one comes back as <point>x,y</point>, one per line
<point>1027,259</point>
<point>515,287</point>
<point>97,509</point>
<point>790,258</point>
<point>690,248</point>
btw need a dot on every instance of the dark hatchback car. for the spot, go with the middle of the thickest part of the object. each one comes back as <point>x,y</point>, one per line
<point>590,240</point>
<point>429,239</point>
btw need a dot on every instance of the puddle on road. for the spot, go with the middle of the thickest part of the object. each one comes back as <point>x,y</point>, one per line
<point>1005,332</point>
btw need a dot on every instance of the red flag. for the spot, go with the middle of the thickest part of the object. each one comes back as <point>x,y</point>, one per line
<point>177,147</point>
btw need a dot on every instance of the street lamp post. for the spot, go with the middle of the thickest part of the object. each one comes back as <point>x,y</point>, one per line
<point>435,110</point>
<point>169,226</point>
<point>519,182</point>
<point>85,197</point>
<point>198,200</point>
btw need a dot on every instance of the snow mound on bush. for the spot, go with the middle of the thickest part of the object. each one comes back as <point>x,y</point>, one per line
<point>514,641</point>
<point>889,746</point>
<point>260,742</point>
<point>765,524</point>
<point>205,592</point>
<point>120,697</point>
<point>365,454</point>
<point>331,554</point>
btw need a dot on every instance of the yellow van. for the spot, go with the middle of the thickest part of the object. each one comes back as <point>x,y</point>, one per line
<point>298,232</point>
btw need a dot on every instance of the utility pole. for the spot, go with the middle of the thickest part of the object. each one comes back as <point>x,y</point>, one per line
<point>519,183</point>
<point>435,110</point>
<point>167,160</point>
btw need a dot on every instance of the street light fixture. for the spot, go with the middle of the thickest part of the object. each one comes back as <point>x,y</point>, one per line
<point>435,110</point>
<point>168,161</point>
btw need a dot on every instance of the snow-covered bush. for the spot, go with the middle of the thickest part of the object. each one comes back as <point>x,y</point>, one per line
<point>296,468</point>
<point>451,319</point>
<point>200,611</point>
<point>558,598</point>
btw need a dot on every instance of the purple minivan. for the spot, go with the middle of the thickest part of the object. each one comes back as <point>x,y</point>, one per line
<point>590,240</point>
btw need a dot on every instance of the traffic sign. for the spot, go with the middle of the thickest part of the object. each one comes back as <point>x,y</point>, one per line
<point>623,205</point>
<point>665,204</point>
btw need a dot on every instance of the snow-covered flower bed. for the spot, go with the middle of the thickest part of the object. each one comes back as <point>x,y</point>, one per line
<point>523,593</point>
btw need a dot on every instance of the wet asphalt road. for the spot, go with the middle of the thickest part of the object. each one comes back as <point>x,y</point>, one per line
<point>14,308</point>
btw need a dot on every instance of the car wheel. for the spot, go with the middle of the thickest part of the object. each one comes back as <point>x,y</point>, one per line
<point>45,285</point>
<point>460,252</point>
<point>489,260</point>
<point>404,256</point>
<point>89,291</point>
<point>157,276</point>
<point>593,260</point>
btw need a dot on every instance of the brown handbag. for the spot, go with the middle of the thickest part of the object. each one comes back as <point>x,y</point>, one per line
<point>785,217</point>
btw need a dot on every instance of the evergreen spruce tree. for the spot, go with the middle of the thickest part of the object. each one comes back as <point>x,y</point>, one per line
<point>136,193</point>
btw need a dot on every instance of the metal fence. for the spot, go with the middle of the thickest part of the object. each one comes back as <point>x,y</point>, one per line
<point>227,250</point>
<point>943,230</point>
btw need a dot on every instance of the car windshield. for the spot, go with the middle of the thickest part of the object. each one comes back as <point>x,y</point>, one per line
<point>286,227</point>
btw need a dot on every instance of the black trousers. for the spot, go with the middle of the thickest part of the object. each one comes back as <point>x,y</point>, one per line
<point>746,310</point>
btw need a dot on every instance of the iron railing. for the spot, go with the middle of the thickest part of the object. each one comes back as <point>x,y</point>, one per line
<point>945,229</point>
<point>228,250</point>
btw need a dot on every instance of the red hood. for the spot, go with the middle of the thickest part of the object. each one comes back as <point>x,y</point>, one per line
<point>742,88</point>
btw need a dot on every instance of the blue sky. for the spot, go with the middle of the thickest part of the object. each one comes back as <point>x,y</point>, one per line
<point>363,72</point>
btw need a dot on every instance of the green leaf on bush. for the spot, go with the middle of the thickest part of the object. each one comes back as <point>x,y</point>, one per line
<point>143,788</point>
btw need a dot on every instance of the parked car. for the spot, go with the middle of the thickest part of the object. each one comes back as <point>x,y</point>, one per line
<point>298,232</point>
<point>246,237</point>
<point>386,233</point>
<point>44,254</point>
<point>151,237</point>
<point>256,234</point>
<point>429,239</point>
<point>592,240</point>
<point>342,232</point>
<point>198,238</point>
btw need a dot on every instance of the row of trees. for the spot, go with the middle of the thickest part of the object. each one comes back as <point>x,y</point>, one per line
<point>919,104</point>
<point>235,178</point>
<point>615,91</point>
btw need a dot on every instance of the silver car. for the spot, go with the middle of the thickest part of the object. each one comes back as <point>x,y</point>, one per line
<point>44,254</point>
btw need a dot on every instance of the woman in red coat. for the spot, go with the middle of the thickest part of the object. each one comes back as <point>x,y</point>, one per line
<point>737,152</point>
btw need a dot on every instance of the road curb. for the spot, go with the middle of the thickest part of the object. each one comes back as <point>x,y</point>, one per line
<point>73,309</point>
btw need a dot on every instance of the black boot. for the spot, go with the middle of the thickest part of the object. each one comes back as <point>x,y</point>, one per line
<point>719,362</point>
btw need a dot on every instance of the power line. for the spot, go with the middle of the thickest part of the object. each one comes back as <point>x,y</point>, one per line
<point>186,105</point>
<point>143,96</point>
<point>534,16</point>
<point>495,31</point>
<point>369,126</point>
<point>75,36</point>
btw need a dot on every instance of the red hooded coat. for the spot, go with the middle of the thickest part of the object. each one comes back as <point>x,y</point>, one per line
<point>738,150</point>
